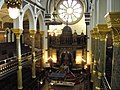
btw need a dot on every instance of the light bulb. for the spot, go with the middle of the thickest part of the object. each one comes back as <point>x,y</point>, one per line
<point>13,12</point>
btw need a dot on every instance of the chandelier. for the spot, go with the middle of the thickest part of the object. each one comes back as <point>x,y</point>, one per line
<point>54,20</point>
<point>13,7</point>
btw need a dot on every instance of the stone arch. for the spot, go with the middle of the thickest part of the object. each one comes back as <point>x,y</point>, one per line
<point>48,6</point>
<point>40,19</point>
<point>29,11</point>
<point>9,37</point>
<point>63,51</point>
<point>18,23</point>
<point>2,4</point>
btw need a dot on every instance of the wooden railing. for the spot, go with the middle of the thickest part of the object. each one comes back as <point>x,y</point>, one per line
<point>38,55</point>
<point>10,65</point>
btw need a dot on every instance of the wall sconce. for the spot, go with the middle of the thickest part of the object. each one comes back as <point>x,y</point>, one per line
<point>13,7</point>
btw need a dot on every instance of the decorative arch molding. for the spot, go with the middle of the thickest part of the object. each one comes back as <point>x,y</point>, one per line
<point>40,19</point>
<point>1,4</point>
<point>48,6</point>
<point>86,6</point>
<point>31,16</point>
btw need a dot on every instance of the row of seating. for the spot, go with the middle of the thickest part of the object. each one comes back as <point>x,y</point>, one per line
<point>8,50</point>
<point>10,82</point>
<point>9,66</point>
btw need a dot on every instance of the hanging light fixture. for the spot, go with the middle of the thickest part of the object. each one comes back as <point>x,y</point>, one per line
<point>54,20</point>
<point>13,7</point>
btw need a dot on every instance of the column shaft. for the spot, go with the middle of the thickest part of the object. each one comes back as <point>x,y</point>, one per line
<point>18,32</point>
<point>95,53</point>
<point>103,30</point>
<point>92,52</point>
<point>113,22</point>
<point>41,49</point>
<point>32,34</point>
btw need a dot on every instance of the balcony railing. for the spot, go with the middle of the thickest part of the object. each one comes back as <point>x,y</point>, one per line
<point>106,85</point>
<point>10,65</point>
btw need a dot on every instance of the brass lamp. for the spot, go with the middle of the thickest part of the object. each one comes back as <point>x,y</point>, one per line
<point>54,21</point>
<point>13,7</point>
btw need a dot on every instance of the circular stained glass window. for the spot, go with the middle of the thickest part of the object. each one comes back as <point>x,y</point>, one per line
<point>70,11</point>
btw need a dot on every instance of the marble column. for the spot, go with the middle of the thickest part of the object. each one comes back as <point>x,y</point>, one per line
<point>96,56</point>
<point>32,35</point>
<point>103,30</point>
<point>96,46</point>
<point>92,46</point>
<point>113,22</point>
<point>18,32</point>
<point>92,55</point>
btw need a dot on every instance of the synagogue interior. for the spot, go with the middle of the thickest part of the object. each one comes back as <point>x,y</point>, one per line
<point>59,44</point>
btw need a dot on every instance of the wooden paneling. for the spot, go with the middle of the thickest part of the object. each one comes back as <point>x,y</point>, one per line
<point>2,35</point>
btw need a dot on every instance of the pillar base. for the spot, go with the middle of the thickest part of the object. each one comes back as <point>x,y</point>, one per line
<point>33,76</point>
<point>94,72</point>
<point>91,81</point>
<point>97,88</point>
<point>20,88</point>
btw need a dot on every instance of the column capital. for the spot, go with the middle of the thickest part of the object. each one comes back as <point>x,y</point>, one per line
<point>113,22</point>
<point>103,30</point>
<point>113,19</point>
<point>92,33</point>
<point>96,33</point>
<point>17,32</point>
<point>42,33</point>
<point>32,33</point>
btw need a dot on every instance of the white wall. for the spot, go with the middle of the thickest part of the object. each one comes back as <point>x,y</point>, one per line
<point>79,27</point>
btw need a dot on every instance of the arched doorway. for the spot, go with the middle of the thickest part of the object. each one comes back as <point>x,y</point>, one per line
<point>66,58</point>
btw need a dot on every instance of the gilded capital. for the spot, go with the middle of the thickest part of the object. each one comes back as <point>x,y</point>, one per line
<point>17,32</point>
<point>42,33</point>
<point>103,30</point>
<point>92,33</point>
<point>96,33</point>
<point>113,22</point>
<point>116,36</point>
<point>32,33</point>
<point>113,19</point>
